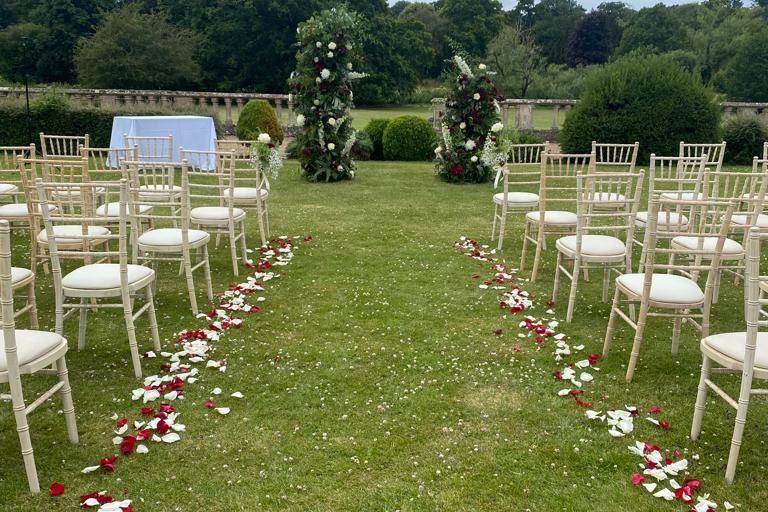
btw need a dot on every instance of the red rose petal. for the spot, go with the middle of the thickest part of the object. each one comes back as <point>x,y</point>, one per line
<point>56,489</point>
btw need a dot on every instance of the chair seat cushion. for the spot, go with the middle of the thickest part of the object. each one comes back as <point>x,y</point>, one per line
<point>62,231</point>
<point>17,210</point>
<point>171,237</point>
<point>30,345</point>
<point>742,220</point>
<point>669,288</point>
<point>248,193</point>
<point>103,276</point>
<point>157,192</point>
<point>663,219</point>
<point>517,198</point>
<point>730,247</point>
<point>19,274</point>
<point>8,188</point>
<point>592,245</point>
<point>214,213</point>
<point>683,196</point>
<point>553,217</point>
<point>734,344</point>
<point>113,209</point>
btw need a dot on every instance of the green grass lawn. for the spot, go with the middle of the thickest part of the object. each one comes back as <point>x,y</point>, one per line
<point>373,379</point>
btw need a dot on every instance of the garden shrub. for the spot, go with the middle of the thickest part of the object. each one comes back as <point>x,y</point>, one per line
<point>375,130</point>
<point>649,99</point>
<point>409,138</point>
<point>55,115</point>
<point>362,149</point>
<point>471,109</point>
<point>744,137</point>
<point>322,92</point>
<point>257,117</point>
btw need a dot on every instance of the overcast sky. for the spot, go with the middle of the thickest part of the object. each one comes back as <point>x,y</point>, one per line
<point>589,4</point>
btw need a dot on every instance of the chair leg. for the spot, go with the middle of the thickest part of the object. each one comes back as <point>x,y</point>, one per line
<point>32,303</point>
<point>574,286</point>
<point>556,284</point>
<point>233,251</point>
<point>676,327</point>
<point>701,398</point>
<point>243,243</point>
<point>611,323</point>
<point>153,319</point>
<point>132,343</point>
<point>190,282</point>
<point>526,234</point>
<point>207,273</point>
<point>262,227</point>
<point>639,332</point>
<point>537,256</point>
<point>68,406</point>
<point>493,223</point>
<point>606,282</point>
<point>738,428</point>
<point>266,218</point>
<point>502,227</point>
<point>83,325</point>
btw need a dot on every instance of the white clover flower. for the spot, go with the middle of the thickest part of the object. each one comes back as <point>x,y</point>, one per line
<point>331,146</point>
<point>481,67</point>
<point>331,45</point>
<point>300,119</point>
<point>325,73</point>
<point>469,145</point>
<point>476,96</point>
<point>329,55</point>
<point>474,158</point>
<point>332,121</point>
<point>496,128</point>
<point>462,125</point>
<point>264,138</point>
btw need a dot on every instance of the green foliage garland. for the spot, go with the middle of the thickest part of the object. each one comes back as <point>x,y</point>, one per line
<point>322,94</point>
<point>471,110</point>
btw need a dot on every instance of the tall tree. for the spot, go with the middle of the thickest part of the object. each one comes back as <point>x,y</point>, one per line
<point>555,21</point>
<point>746,75</point>
<point>514,55</point>
<point>437,26</point>
<point>473,22</point>
<point>654,29</point>
<point>592,40</point>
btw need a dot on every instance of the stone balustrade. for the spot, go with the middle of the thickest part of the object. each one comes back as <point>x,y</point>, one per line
<point>523,111</point>
<point>180,99</point>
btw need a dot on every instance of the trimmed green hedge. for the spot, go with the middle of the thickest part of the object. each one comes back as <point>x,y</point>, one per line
<point>744,137</point>
<point>54,115</point>
<point>409,138</point>
<point>375,130</point>
<point>257,117</point>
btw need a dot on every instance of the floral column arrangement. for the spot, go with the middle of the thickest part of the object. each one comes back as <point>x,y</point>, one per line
<point>321,88</point>
<point>471,110</point>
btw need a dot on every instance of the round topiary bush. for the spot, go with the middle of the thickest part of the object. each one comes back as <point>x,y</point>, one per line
<point>375,130</point>
<point>649,99</point>
<point>409,138</point>
<point>744,137</point>
<point>257,117</point>
<point>362,149</point>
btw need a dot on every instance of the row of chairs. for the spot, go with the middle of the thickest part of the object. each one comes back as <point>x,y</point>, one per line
<point>701,221</point>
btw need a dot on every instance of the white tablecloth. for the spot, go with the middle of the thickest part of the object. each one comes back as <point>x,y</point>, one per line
<point>189,132</point>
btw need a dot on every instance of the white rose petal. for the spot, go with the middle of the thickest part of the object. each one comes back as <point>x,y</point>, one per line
<point>236,394</point>
<point>222,410</point>
<point>142,448</point>
<point>171,438</point>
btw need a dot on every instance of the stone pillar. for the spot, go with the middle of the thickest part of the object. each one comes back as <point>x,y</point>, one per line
<point>279,109</point>
<point>555,117</point>
<point>228,124</point>
<point>108,100</point>
<point>728,111</point>
<point>239,105</point>
<point>290,112</point>
<point>505,114</point>
<point>525,116</point>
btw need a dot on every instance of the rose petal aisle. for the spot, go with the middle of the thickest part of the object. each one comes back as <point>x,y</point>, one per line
<point>663,473</point>
<point>155,421</point>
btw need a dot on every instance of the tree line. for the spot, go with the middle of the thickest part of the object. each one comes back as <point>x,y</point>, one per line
<point>538,49</point>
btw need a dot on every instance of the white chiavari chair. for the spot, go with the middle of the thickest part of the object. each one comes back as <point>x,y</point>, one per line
<point>15,210</point>
<point>212,205</point>
<point>671,177</point>
<point>152,243</point>
<point>150,149</point>
<point>251,189</point>
<point>63,146</point>
<point>591,247</point>
<point>737,352</point>
<point>557,188</point>
<point>99,281</point>
<point>715,153</point>
<point>615,158</point>
<point>29,352</point>
<point>670,289</point>
<point>522,172</point>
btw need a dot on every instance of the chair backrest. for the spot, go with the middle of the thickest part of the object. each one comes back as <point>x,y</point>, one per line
<point>615,157</point>
<point>676,174</point>
<point>622,190</point>
<point>523,166</point>
<point>150,149</point>
<point>63,146</point>
<point>92,241</point>
<point>206,186</point>
<point>748,188</point>
<point>715,153</point>
<point>755,311</point>
<point>558,187</point>
<point>65,171</point>
<point>106,163</point>
<point>241,148</point>
<point>9,169</point>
